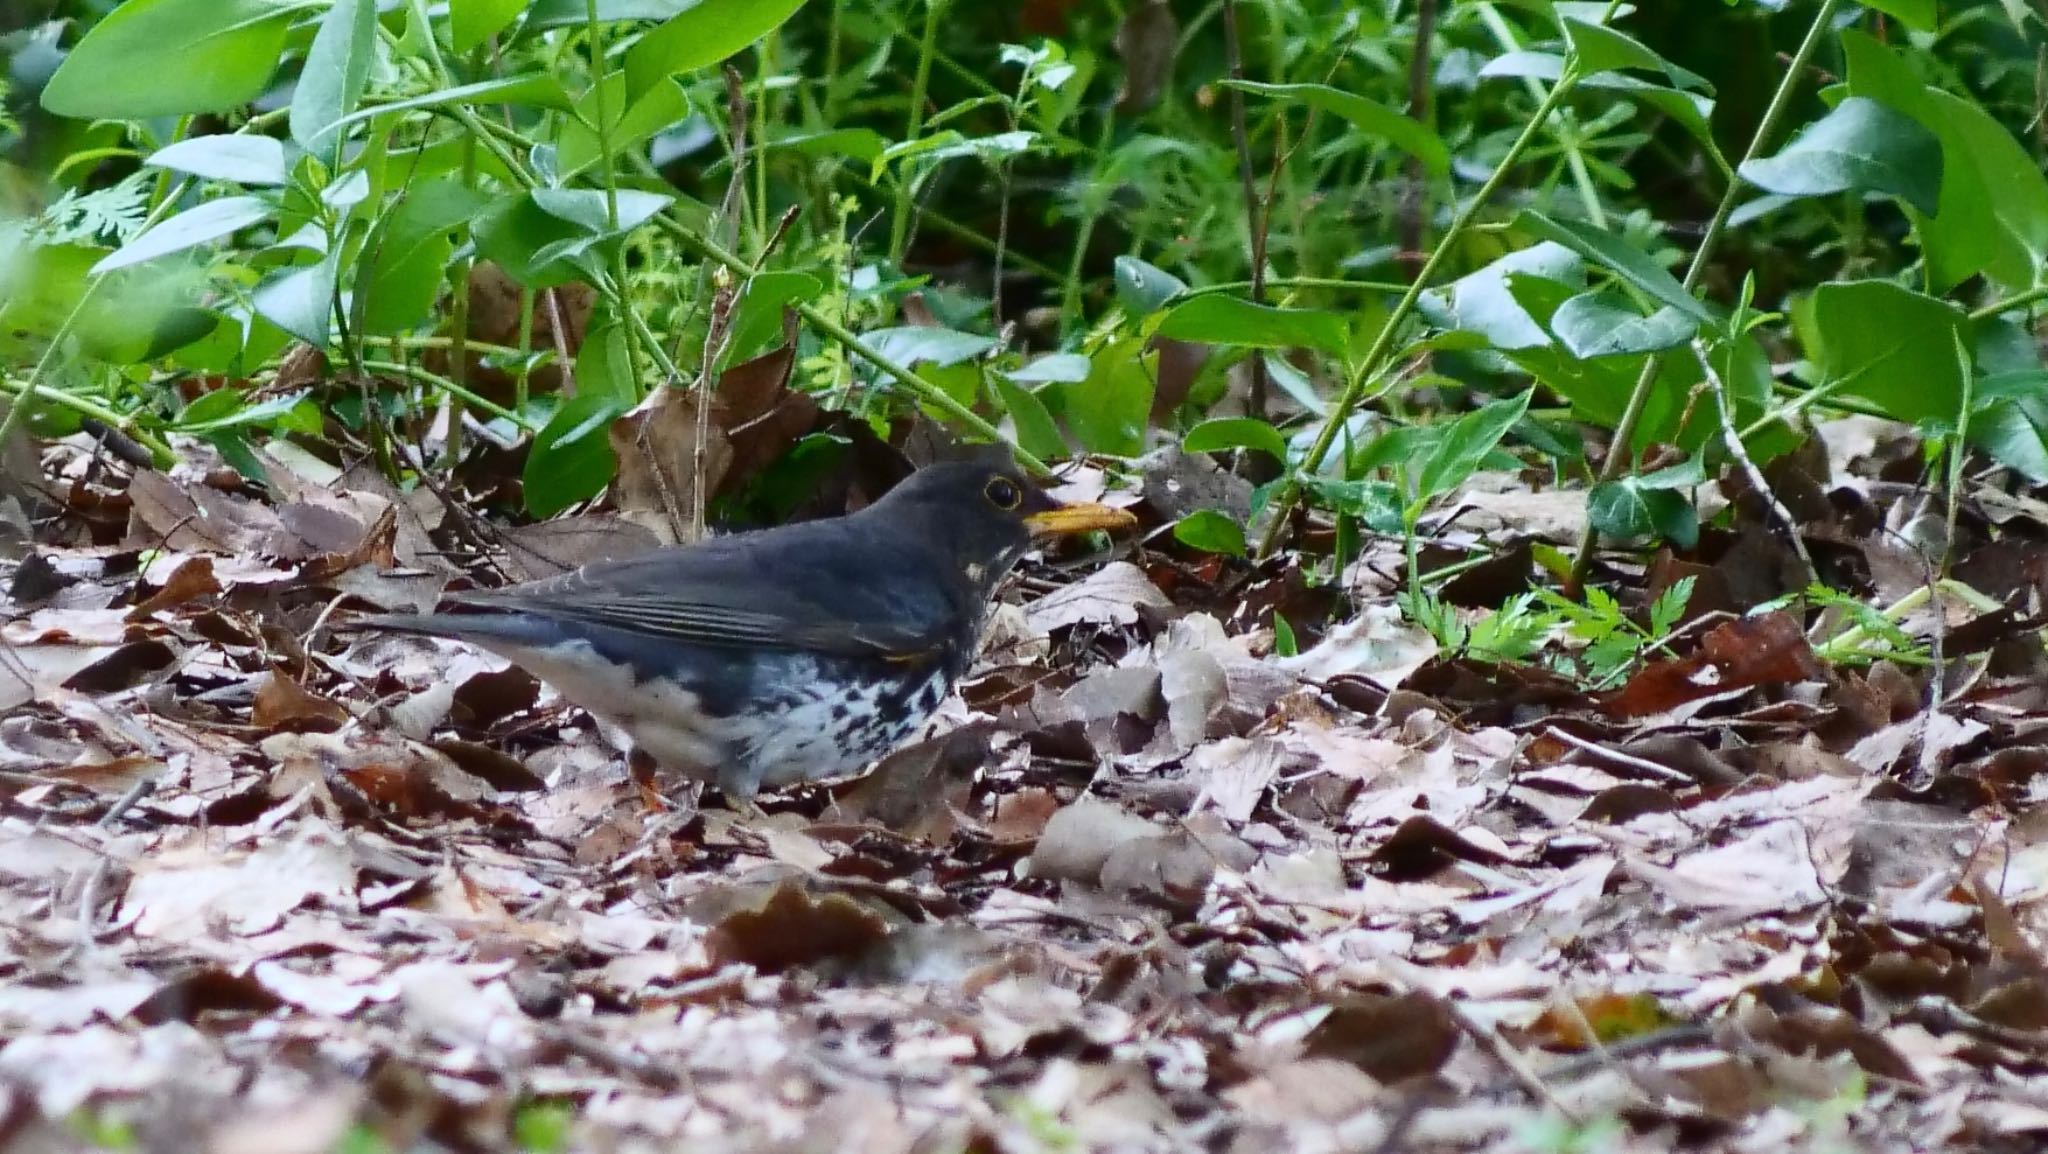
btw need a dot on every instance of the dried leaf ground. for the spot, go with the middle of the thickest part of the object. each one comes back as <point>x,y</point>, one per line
<point>269,885</point>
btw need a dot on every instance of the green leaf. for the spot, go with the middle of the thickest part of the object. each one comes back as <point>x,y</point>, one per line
<point>1859,146</point>
<point>198,225</point>
<point>1224,433</point>
<point>1889,345</point>
<point>1108,411</point>
<point>757,320</point>
<point>912,344</point>
<point>1143,289</point>
<point>604,366</point>
<point>699,36</point>
<point>1598,48</point>
<point>301,300</point>
<point>1481,301</point>
<point>405,259</point>
<point>1211,531</point>
<point>243,158</point>
<point>1036,432</point>
<point>331,83</point>
<point>171,57</point>
<point>572,459</point>
<point>578,145</point>
<point>563,13</point>
<point>1373,119</point>
<point>1052,368</point>
<point>471,22</point>
<point>1223,320</point>
<point>1468,441</point>
<point>1994,199</point>
<point>1916,14</point>
<point>2014,431</point>
<point>1631,508</point>
<point>1626,261</point>
<point>1605,324</point>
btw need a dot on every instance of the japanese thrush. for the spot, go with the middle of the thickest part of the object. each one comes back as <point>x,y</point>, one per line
<point>767,658</point>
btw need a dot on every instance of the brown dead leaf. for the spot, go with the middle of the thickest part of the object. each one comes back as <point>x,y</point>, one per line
<point>1769,649</point>
<point>284,704</point>
<point>1392,1037</point>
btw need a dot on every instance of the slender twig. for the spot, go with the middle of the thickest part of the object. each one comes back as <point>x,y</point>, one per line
<point>1632,414</point>
<point>1254,209</point>
<point>1733,441</point>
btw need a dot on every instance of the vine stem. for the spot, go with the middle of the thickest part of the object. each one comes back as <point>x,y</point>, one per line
<point>1632,414</point>
<point>1368,368</point>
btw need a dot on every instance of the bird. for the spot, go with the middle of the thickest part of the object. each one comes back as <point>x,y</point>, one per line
<point>774,657</point>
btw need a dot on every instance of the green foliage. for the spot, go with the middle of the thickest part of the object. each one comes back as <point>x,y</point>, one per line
<point>1605,641</point>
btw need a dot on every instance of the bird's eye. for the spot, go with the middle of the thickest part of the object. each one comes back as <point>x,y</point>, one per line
<point>1004,493</point>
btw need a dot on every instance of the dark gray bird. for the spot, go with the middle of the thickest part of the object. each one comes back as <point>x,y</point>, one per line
<point>764,659</point>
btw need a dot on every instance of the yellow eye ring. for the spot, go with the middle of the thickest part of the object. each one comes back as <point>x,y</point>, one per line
<point>1003,493</point>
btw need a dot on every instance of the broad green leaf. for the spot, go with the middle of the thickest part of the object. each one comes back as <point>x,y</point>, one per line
<point>1108,411</point>
<point>301,301</point>
<point>578,145</point>
<point>572,459</point>
<point>331,83</point>
<point>405,260</point>
<point>1628,510</point>
<point>243,158</point>
<point>562,13</point>
<point>1225,433</point>
<point>1606,323</point>
<point>171,57</point>
<point>1916,14</point>
<point>2014,431</point>
<point>604,365</point>
<point>1859,146</point>
<point>1480,301</point>
<point>1468,441</point>
<point>199,225</point>
<point>701,35</point>
<point>1994,200</point>
<point>471,22</point>
<point>1216,319</point>
<point>915,344</point>
<point>1144,289</point>
<point>1889,345</point>
<point>590,209</point>
<point>1598,48</point>
<point>1036,431</point>
<point>1370,117</point>
<point>1211,531</point>
<point>757,320</point>
<point>535,248</point>
<point>1624,259</point>
<point>1052,368</point>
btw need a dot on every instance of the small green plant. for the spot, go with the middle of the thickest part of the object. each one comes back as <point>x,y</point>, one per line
<point>543,1127</point>
<point>1867,633</point>
<point>1611,641</point>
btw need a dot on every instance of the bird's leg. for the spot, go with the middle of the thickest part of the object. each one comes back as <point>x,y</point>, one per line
<point>646,776</point>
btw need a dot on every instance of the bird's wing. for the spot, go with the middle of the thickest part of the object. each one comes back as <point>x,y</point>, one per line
<point>783,594</point>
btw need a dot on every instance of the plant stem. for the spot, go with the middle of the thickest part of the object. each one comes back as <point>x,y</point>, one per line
<point>899,222</point>
<point>1383,345</point>
<point>1618,455</point>
<point>86,407</point>
<point>2016,301</point>
<point>467,394</point>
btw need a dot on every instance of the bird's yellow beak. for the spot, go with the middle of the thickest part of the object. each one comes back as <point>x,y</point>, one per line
<point>1069,519</point>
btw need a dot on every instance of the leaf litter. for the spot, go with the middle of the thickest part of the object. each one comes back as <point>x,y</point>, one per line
<point>1152,884</point>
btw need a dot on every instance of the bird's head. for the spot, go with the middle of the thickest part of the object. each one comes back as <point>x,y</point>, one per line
<point>987,513</point>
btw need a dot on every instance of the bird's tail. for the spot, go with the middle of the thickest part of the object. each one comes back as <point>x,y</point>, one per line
<point>464,626</point>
